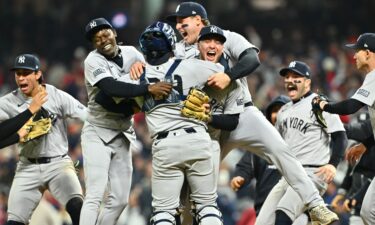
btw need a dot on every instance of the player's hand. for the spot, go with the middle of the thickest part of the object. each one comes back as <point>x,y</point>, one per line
<point>160,89</point>
<point>237,182</point>
<point>219,80</point>
<point>354,153</point>
<point>38,100</point>
<point>337,201</point>
<point>136,70</point>
<point>326,172</point>
<point>349,204</point>
<point>22,132</point>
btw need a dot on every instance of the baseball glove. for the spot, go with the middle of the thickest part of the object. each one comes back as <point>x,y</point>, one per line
<point>37,126</point>
<point>317,111</point>
<point>193,106</point>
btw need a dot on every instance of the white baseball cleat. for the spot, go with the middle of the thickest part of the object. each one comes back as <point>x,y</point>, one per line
<point>321,215</point>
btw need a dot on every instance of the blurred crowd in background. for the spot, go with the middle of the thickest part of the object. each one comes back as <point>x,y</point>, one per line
<point>313,31</point>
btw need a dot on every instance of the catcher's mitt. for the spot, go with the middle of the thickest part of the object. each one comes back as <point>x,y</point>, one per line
<point>317,111</point>
<point>37,126</point>
<point>193,106</point>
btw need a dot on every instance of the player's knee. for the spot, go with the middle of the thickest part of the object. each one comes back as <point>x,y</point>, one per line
<point>208,215</point>
<point>11,222</point>
<point>164,218</point>
<point>73,207</point>
<point>282,218</point>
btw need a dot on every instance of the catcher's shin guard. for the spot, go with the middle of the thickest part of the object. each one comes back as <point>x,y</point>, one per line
<point>165,218</point>
<point>207,215</point>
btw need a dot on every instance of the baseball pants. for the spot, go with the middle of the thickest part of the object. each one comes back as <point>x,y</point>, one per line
<point>107,167</point>
<point>27,188</point>
<point>283,197</point>
<point>256,134</point>
<point>178,155</point>
<point>368,205</point>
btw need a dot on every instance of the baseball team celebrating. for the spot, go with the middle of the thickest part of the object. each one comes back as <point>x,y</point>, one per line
<point>198,107</point>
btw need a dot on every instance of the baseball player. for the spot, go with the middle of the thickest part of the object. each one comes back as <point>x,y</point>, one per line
<point>359,174</point>
<point>43,161</point>
<point>308,140</point>
<point>12,130</point>
<point>190,17</point>
<point>365,61</point>
<point>182,147</point>
<point>106,135</point>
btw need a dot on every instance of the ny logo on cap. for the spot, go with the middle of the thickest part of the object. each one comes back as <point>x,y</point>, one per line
<point>178,8</point>
<point>93,24</point>
<point>213,29</point>
<point>292,64</point>
<point>21,59</point>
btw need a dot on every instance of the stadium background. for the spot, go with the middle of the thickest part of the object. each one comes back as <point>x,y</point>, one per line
<point>313,31</point>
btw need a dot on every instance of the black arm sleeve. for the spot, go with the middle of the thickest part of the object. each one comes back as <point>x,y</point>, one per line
<point>360,194</point>
<point>9,128</point>
<point>346,107</point>
<point>369,142</point>
<point>115,88</point>
<point>125,107</point>
<point>244,168</point>
<point>359,131</point>
<point>248,61</point>
<point>225,121</point>
<point>339,141</point>
<point>348,180</point>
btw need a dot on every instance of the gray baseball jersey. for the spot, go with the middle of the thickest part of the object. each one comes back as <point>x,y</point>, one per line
<point>106,137</point>
<point>233,47</point>
<point>366,94</point>
<point>306,138</point>
<point>230,102</point>
<point>31,177</point>
<point>60,107</point>
<point>310,142</point>
<point>189,73</point>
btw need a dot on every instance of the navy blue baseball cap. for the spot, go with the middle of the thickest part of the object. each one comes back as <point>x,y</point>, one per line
<point>27,62</point>
<point>298,67</point>
<point>211,31</point>
<point>187,9</point>
<point>95,25</point>
<point>364,41</point>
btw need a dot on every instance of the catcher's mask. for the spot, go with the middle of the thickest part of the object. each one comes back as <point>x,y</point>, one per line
<point>157,39</point>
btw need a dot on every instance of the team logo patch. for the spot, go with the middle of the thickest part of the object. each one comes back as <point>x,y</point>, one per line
<point>363,92</point>
<point>99,71</point>
<point>239,102</point>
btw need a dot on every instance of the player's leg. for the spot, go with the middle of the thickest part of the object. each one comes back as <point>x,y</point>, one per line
<point>202,179</point>
<point>168,155</point>
<point>64,185</point>
<point>96,160</point>
<point>368,205</point>
<point>256,134</point>
<point>267,214</point>
<point>24,193</point>
<point>119,182</point>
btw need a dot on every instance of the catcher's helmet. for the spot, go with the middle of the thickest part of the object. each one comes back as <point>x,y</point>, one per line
<point>157,39</point>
